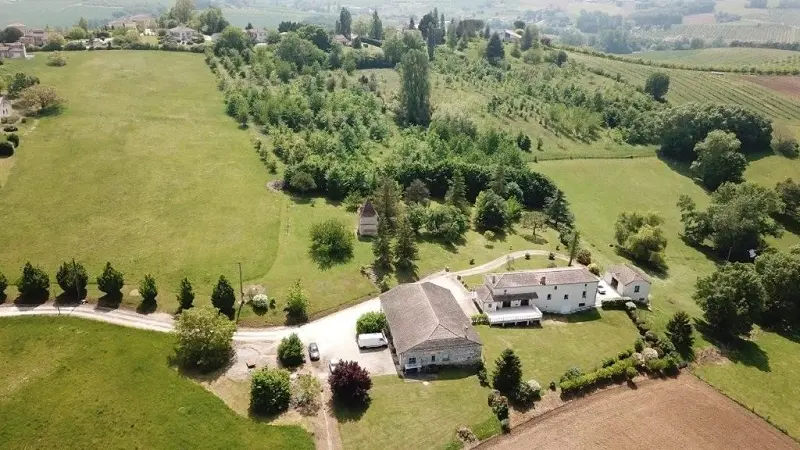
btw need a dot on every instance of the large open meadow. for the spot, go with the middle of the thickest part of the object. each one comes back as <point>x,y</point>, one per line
<point>81,384</point>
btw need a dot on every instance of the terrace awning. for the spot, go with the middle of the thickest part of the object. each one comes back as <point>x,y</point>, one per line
<point>513,315</point>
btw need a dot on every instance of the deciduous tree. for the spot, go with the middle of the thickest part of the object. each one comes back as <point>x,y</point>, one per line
<point>641,237</point>
<point>291,352</point>
<point>296,303</point>
<point>534,220</point>
<point>490,212</point>
<point>331,242</point>
<point>657,85</point>
<point>204,339</point>
<point>719,160</point>
<point>732,299</point>
<point>350,384</point>
<point>417,192</point>
<point>780,276</point>
<point>270,391</point>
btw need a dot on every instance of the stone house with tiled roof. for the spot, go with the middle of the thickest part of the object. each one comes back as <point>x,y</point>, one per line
<point>629,281</point>
<point>427,327</point>
<point>15,50</point>
<point>522,297</point>
<point>367,220</point>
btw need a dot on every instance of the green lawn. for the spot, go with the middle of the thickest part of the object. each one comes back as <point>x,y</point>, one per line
<point>68,382</point>
<point>581,340</point>
<point>763,376</point>
<point>535,262</point>
<point>410,413</point>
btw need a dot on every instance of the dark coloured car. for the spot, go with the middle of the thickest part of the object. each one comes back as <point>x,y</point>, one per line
<point>313,351</point>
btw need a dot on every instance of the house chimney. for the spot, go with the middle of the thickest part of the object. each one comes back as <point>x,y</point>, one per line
<point>493,279</point>
<point>466,328</point>
<point>543,281</point>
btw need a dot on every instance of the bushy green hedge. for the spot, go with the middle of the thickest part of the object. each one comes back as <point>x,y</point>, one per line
<point>480,319</point>
<point>371,322</point>
<point>615,373</point>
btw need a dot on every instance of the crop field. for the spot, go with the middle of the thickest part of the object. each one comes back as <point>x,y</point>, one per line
<point>68,382</point>
<point>758,32</point>
<point>679,413</point>
<point>696,86</point>
<point>729,57</point>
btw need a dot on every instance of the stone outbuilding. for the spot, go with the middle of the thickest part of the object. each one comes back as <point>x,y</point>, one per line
<point>367,220</point>
<point>629,281</point>
<point>427,327</point>
<point>5,107</point>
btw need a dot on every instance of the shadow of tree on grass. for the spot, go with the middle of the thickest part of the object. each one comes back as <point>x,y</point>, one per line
<point>737,350</point>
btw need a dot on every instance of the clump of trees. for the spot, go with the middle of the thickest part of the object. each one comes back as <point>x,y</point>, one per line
<point>719,160</point>
<point>331,242</point>
<point>739,218</point>
<point>641,238</point>
<point>732,299</point>
<point>204,339</point>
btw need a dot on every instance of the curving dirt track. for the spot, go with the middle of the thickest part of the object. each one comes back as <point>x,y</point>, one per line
<point>681,413</point>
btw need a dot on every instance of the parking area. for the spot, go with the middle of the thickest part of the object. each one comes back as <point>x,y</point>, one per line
<point>610,293</point>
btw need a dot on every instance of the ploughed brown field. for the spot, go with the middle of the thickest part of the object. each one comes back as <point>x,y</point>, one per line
<point>683,413</point>
<point>784,84</point>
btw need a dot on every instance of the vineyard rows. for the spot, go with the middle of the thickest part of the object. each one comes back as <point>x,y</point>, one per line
<point>762,58</point>
<point>758,32</point>
<point>694,86</point>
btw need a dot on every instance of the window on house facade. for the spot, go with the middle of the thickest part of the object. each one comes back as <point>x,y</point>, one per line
<point>525,302</point>
<point>581,304</point>
<point>433,358</point>
<point>555,288</point>
<point>636,289</point>
<point>566,296</point>
<point>507,304</point>
<point>549,296</point>
<point>584,294</point>
<point>412,360</point>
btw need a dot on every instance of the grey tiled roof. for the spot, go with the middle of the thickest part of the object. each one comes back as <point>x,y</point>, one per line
<point>568,275</point>
<point>367,210</point>
<point>426,316</point>
<point>627,274</point>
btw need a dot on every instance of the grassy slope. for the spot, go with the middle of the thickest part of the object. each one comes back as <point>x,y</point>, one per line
<point>85,384</point>
<point>546,353</point>
<point>405,411</point>
<point>142,169</point>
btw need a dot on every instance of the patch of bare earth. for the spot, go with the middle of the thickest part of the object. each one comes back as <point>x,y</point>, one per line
<point>710,355</point>
<point>658,414</point>
<point>699,19</point>
<point>782,84</point>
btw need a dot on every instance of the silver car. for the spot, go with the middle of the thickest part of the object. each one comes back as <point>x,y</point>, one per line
<point>313,351</point>
<point>334,364</point>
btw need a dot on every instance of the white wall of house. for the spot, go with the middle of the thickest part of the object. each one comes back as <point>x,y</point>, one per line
<point>454,356</point>
<point>557,299</point>
<point>637,290</point>
<point>5,108</point>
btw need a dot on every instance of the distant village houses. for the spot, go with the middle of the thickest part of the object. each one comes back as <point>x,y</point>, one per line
<point>15,50</point>
<point>182,34</point>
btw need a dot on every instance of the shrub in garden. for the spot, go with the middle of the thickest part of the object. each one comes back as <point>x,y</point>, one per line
<point>290,351</point>
<point>524,395</point>
<point>655,366</point>
<point>595,269</point>
<point>649,353</point>
<point>482,373</point>
<point>223,298</point>
<point>185,294</point>
<point>111,280</point>
<point>204,339</point>
<point>507,372</point>
<point>296,303</point>
<point>14,139</point>
<point>584,257</point>
<point>260,302</point>
<point>371,322</point>
<point>679,330</point>
<point>480,319</point>
<point>624,354</point>
<point>499,405</point>
<point>638,345</point>
<point>505,425</point>
<point>6,149</point>
<point>270,391</point>
<point>638,359</point>
<point>670,365</point>
<point>148,290</point>
<point>350,384</point>
<point>536,388</point>
<point>631,372</point>
<point>34,281</point>
<point>571,374</point>
<point>650,336</point>
<point>72,278</point>
<point>3,286</point>
<point>665,345</point>
<point>306,394</point>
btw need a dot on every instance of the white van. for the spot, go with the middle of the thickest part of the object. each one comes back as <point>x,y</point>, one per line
<point>372,340</point>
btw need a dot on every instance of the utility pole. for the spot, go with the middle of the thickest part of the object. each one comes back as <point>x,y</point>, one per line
<point>241,293</point>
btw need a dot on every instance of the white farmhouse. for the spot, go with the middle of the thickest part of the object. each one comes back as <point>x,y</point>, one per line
<point>367,220</point>
<point>629,281</point>
<point>5,107</point>
<point>182,34</point>
<point>510,36</point>
<point>521,297</point>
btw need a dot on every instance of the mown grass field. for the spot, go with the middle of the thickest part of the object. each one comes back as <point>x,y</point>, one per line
<point>402,411</point>
<point>81,384</point>
<point>741,31</point>
<point>580,340</point>
<point>697,86</point>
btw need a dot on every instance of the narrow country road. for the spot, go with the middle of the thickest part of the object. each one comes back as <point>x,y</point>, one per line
<point>316,330</point>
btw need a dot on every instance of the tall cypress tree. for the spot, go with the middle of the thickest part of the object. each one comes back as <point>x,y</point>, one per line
<point>387,198</point>
<point>382,246</point>
<point>557,210</point>
<point>415,91</point>
<point>457,193</point>
<point>376,32</point>
<point>405,249</point>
